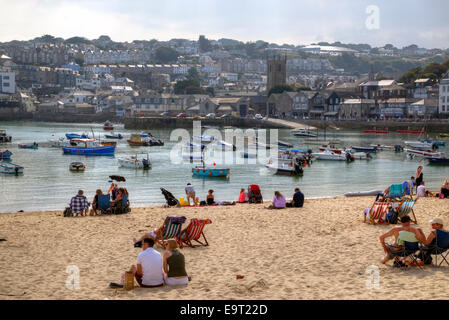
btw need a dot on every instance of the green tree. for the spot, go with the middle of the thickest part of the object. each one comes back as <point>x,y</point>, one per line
<point>280,88</point>
<point>166,55</point>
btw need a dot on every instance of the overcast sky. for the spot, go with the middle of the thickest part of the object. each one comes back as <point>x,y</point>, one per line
<point>402,22</point>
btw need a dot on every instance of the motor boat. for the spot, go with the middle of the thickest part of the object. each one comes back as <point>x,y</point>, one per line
<point>71,136</point>
<point>428,153</point>
<point>332,156</point>
<point>365,149</point>
<point>285,169</point>
<point>303,133</point>
<point>34,146</point>
<point>57,143</point>
<point>193,145</point>
<point>146,139</point>
<point>108,126</point>
<point>113,136</point>
<point>4,137</point>
<point>77,166</point>
<point>10,168</point>
<point>362,156</point>
<point>438,160</point>
<point>382,147</point>
<point>420,145</point>
<point>88,147</point>
<point>5,155</point>
<point>134,162</point>
<point>284,144</point>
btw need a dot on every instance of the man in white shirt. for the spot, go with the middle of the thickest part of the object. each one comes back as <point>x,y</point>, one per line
<point>148,272</point>
<point>421,191</point>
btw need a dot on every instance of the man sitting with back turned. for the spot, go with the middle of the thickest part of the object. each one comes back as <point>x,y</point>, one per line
<point>298,199</point>
<point>79,204</point>
<point>148,271</point>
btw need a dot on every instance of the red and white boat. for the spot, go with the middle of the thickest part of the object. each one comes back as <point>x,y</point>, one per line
<point>108,126</point>
<point>428,153</point>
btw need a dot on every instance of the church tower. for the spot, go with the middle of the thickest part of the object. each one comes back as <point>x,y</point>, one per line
<point>276,71</point>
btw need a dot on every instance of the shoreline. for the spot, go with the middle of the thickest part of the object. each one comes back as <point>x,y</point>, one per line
<point>320,251</point>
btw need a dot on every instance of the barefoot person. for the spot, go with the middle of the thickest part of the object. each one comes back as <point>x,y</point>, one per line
<point>95,204</point>
<point>148,272</point>
<point>174,265</point>
<point>278,201</point>
<point>403,233</point>
<point>430,243</point>
<point>190,193</point>
<point>79,204</point>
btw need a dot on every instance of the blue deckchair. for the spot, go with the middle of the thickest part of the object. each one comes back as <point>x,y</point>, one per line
<point>395,191</point>
<point>104,202</point>
<point>442,246</point>
<point>124,206</point>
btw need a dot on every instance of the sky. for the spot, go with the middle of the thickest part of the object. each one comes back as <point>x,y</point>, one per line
<point>297,22</point>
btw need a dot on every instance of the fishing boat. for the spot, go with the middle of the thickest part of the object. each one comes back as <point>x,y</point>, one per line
<point>34,146</point>
<point>71,136</point>
<point>108,143</point>
<point>77,166</point>
<point>4,137</point>
<point>365,149</point>
<point>435,142</point>
<point>428,153</point>
<point>331,156</point>
<point>113,136</point>
<point>420,145</point>
<point>134,162</point>
<point>210,172</point>
<point>5,155</point>
<point>10,168</point>
<point>151,141</point>
<point>303,133</point>
<point>88,147</point>
<point>108,126</point>
<point>136,140</point>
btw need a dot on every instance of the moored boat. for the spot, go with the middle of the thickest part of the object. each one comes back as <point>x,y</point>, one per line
<point>444,135</point>
<point>377,131</point>
<point>5,155</point>
<point>88,147</point>
<point>205,138</point>
<point>223,145</point>
<point>113,136</point>
<point>285,169</point>
<point>71,136</point>
<point>134,162</point>
<point>442,160</point>
<point>411,131</point>
<point>362,156</point>
<point>303,133</point>
<point>332,156</point>
<point>34,146</point>
<point>426,153</point>
<point>137,140</point>
<point>210,172</point>
<point>284,144</point>
<point>420,145</point>
<point>108,126</point>
<point>10,168</point>
<point>4,137</point>
<point>77,166</point>
<point>364,149</point>
<point>57,143</point>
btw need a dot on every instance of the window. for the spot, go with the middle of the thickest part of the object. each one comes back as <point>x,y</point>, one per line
<point>5,77</point>
<point>6,84</point>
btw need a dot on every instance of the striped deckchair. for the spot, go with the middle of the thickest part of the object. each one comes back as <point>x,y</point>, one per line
<point>406,207</point>
<point>193,232</point>
<point>395,191</point>
<point>170,229</point>
<point>378,212</point>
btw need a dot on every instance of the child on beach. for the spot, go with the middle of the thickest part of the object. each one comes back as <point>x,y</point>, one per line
<point>278,201</point>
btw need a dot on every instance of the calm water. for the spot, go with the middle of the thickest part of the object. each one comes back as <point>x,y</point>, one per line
<point>47,183</point>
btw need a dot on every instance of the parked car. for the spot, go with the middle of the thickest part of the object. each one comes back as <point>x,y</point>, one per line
<point>227,115</point>
<point>258,116</point>
<point>210,115</point>
<point>182,115</point>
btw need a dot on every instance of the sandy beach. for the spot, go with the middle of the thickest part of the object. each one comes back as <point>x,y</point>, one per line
<point>318,252</point>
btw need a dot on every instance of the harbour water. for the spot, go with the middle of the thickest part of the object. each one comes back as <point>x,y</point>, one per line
<point>47,183</point>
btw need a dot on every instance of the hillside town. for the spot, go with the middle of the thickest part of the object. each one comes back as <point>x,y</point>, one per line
<point>224,78</point>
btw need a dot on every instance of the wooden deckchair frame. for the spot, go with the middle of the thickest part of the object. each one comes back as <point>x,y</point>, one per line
<point>188,237</point>
<point>384,215</point>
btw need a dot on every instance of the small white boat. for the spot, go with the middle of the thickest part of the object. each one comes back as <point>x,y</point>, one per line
<point>10,168</point>
<point>420,145</point>
<point>285,169</point>
<point>77,167</point>
<point>430,154</point>
<point>329,155</point>
<point>361,156</point>
<point>57,143</point>
<point>303,133</point>
<point>133,162</point>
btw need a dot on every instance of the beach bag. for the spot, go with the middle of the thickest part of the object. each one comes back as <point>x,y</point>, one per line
<point>393,217</point>
<point>68,212</point>
<point>129,281</point>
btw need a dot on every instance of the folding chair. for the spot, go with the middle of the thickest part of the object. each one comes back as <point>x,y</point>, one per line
<point>442,246</point>
<point>378,212</point>
<point>396,191</point>
<point>104,203</point>
<point>409,250</point>
<point>193,232</point>
<point>170,229</point>
<point>406,207</point>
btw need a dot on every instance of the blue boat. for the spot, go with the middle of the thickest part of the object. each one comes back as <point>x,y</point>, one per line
<point>88,147</point>
<point>34,146</point>
<point>209,172</point>
<point>442,161</point>
<point>364,149</point>
<point>5,155</point>
<point>71,136</point>
<point>437,143</point>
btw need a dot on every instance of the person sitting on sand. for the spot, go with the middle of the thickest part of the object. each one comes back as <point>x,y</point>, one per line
<point>210,197</point>
<point>243,196</point>
<point>93,211</point>
<point>79,204</point>
<point>408,186</point>
<point>190,193</point>
<point>174,265</point>
<point>403,233</point>
<point>445,189</point>
<point>117,203</point>
<point>278,201</point>
<point>298,199</point>
<point>148,272</point>
<point>113,191</point>
<point>430,243</point>
<point>422,192</point>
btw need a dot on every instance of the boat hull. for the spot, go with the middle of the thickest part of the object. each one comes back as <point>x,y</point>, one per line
<point>92,151</point>
<point>205,172</point>
<point>27,146</point>
<point>441,161</point>
<point>10,168</point>
<point>361,149</point>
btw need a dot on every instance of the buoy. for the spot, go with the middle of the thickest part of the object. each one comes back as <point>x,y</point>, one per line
<point>210,173</point>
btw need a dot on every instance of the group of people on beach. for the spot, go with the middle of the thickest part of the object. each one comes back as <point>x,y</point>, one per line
<point>79,205</point>
<point>279,201</point>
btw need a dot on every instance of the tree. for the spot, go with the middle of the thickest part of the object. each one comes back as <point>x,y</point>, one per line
<point>188,87</point>
<point>166,55</point>
<point>204,44</point>
<point>280,88</point>
<point>192,74</point>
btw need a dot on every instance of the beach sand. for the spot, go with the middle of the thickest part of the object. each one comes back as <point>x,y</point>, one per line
<point>321,251</point>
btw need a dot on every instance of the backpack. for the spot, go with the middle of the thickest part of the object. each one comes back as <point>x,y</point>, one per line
<point>68,212</point>
<point>393,217</point>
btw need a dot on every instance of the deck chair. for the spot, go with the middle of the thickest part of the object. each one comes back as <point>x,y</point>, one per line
<point>104,203</point>
<point>170,229</point>
<point>442,247</point>
<point>396,191</point>
<point>193,232</point>
<point>378,212</point>
<point>409,250</point>
<point>124,208</point>
<point>406,207</point>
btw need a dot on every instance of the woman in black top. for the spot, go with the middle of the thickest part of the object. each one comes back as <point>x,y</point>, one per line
<point>419,177</point>
<point>93,212</point>
<point>210,198</point>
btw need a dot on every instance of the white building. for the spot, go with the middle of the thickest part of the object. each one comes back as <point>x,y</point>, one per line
<point>7,82</point>
<point>444,96</point>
